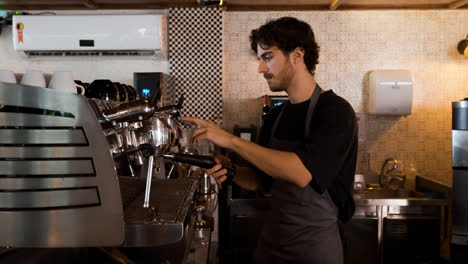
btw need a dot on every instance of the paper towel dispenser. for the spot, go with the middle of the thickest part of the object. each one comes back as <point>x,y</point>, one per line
<point>390,92</point>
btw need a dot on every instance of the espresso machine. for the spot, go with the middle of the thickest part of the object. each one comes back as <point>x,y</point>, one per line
<point>58,159</point>
<point>146,134</point>
<point>460,181</point>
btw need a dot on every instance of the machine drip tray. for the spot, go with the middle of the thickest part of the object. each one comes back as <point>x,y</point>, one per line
<point>170,219</point>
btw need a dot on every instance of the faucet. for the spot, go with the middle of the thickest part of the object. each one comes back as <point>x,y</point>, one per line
<point>384,173</point>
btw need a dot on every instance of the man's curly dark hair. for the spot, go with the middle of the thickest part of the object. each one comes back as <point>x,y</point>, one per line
<point>288,33</point>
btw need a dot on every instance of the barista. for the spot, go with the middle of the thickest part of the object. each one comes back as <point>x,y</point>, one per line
<point>308,151</point>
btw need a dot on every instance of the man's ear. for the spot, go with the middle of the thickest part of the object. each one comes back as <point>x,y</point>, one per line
<point>298,54</point>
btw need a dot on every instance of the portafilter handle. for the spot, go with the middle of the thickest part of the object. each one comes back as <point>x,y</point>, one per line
<point>201,161</point>
<point>206,162</point>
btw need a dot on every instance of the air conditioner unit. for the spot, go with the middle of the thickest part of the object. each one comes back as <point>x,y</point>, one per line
<point>91,35</point>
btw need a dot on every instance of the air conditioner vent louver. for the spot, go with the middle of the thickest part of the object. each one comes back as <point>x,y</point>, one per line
<point>54,53</point>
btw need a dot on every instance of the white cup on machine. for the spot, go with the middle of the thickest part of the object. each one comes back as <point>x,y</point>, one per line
<point>33,78</point>
<point>7,76</point>
<point>63,81</point>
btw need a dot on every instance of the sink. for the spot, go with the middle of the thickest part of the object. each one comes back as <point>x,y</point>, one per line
<point>372,193</point>
<point>368,187</point>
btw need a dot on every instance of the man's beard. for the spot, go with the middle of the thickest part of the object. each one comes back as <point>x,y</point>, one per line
<point>282,81</point>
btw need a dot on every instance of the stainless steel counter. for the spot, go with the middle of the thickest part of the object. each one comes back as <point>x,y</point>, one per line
<point>376,198</point>
<point>429,202</point>
<point>427,192</point>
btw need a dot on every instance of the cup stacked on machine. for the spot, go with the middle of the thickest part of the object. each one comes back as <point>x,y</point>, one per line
<point>7,76</point>
<point>33,78</point>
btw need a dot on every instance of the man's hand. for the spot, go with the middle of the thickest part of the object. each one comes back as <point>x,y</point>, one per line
<point>209,131</point>
<point>218,172</point>
<point>278,164</point>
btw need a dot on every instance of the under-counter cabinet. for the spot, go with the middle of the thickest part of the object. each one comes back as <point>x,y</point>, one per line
<point>360,241</point>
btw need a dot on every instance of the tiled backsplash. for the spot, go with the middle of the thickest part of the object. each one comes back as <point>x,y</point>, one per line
<point>353,43</point>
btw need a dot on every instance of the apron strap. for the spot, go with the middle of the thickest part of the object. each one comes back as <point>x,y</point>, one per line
<point>310,112</point>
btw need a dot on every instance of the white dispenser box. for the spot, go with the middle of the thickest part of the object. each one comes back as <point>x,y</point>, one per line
<point>390,92</point>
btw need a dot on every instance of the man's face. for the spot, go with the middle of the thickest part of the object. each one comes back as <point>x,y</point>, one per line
<point>276,68</point>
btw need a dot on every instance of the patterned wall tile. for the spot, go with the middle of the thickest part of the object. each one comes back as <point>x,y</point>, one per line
<point>195,55</point>
<point>353,43</point>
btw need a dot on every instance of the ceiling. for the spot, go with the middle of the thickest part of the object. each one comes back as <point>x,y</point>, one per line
<point>233,4</point>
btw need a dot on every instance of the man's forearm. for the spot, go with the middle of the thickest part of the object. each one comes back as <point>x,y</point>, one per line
<point>278,164</point>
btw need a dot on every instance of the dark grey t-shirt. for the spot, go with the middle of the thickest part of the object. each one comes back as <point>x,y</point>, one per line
<point>329,152</point>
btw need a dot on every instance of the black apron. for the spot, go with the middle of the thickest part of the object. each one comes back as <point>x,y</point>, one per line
<point>302,226</point>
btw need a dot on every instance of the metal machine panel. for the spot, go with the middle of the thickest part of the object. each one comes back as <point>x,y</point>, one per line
<point>59,184</point>
<point>460,172</point>
<point>459,148</point>
<point>55,198</point>
<point>49,167</point>
<point>460,202</point>
<point>43,136</point>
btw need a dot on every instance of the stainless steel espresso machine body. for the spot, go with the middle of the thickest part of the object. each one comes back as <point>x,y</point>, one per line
<point>58,183</point>
<point>460,172</point>
<point>58,186</point>
<point>153,133</point>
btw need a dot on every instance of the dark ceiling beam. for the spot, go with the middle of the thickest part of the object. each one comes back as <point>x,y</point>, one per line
<point>343,7</point>
<point>101,6</point>
<point>458,4</point>
<point>42,7</point>
<point>230,7</point>
<point>90,4</point>
<point>335,4</point>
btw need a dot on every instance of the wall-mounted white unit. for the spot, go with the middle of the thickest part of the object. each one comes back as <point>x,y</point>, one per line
<point>91,35</point>
<point>390,92</point>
